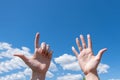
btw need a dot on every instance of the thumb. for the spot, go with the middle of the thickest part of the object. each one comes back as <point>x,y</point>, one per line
<point>22,56</point>
<point>100,53</point>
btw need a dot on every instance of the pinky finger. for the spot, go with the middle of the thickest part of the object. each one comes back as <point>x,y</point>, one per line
<point>50,54</point>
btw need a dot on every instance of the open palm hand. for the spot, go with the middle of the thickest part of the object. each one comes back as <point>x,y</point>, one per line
<point>87,61</point>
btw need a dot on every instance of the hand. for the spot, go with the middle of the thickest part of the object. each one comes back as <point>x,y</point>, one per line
<point>87,61</point>
<point>40,61</point>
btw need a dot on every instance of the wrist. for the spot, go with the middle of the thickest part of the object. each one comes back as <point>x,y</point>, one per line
<point>38,76</point>
<point>92,76</point>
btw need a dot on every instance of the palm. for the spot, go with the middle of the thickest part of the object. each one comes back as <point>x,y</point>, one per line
<point>40,64</point>
<point>40,61</point>
<point>87,61</point>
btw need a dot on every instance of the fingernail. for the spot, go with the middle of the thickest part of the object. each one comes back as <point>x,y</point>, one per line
<point>81,36</point>
<point>42,45</point>
<point>88,35</point>
<point>73,47</point>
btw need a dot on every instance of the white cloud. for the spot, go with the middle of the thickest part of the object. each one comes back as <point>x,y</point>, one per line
<point>74,66</point>
<point>15,76</point>
<point>113,79</point>
<point>4,45</point>
<point>8,52</point>
<point>70,77</point>
<point>9,65</point>
<point>53,67</point>
<point>103,68</point>
<point>27,72</point>
<point>68,62</point>
<point>13,62</point>
<point>49,74</point>
<point>65,59</point>
<point>21,75</point>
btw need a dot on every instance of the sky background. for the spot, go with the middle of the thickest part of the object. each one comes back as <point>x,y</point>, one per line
<point>59,22</point>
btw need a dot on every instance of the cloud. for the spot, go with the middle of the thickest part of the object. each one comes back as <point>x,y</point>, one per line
<point>113,79</point>
<point>53,67</point>
<point>65,59</point>
<point>68,62</point>
<point>70,77</point>
<point>103,68</point>
<point>21,75</point>
<point>6,51</point>
<point>49,74</point>
<point>4,45</point>
<point>16,76</point>
<point>12,64</point>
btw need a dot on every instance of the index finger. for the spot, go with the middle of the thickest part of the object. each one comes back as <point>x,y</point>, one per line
<point>37,40</point>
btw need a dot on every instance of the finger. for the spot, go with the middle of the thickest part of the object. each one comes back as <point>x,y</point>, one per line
<point>23,57</point>
<point>100,53</point>
<point>43,47</point>
<point>50,54</point>
<point>47,47</point>
<point>83,41</point>
<point>89,41</point>
<point>78,44</point>
<point>37,40</point>
<point>47,50</point>
<point>74,51</point>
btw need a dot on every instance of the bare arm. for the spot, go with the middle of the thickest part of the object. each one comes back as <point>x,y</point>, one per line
<point>87,61</point>
<point>40,61</point>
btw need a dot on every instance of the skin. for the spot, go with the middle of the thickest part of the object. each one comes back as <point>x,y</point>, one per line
<point>40,61</point>
<point>87,60</point>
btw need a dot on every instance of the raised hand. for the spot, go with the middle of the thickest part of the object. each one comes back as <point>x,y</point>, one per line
<point>87,60</point>
<point>40,61</point>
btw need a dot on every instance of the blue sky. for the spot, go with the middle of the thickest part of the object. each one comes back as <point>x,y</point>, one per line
<point>59,23</point>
